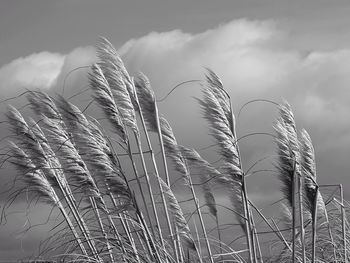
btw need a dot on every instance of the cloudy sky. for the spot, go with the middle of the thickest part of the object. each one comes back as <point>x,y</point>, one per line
<point>297,50</point>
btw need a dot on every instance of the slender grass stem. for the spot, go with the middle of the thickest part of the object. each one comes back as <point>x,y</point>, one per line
<point>137,177</point>
<point>149,186</point>
<point>68,196</point>
<point>165,166</point>
<point>71,227</point>
<point>103,232</point>
<point>301,218</point>
<point>250,242</point>
<point>256,240</point>
<point>314,226</point>
<point>294,184</point>
<point>343,221</point>
<point>155,167</point>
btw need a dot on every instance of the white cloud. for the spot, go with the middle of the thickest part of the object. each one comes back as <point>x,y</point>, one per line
<point>44,70</point>
<point>38,70</point>
<point>73,72</point>
<point>256,59</point>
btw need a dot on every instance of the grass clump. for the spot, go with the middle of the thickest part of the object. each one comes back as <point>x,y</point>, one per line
<point>114,209</point>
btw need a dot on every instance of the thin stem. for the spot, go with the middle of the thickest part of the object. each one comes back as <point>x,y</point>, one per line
<point>197,235</point>
<point>198,210</point>
<point>126,228</point>
<point>178,242</point>
<point>155,167</point>
<point>140,186</point>
<point>219,233</point>
<point>343,219</point>
<point>250,242</point>
<point>301,216</point>
<point>68,196</point>
<point>278,233</point>
<point>148,236</point>
<point>115,230</point>
<point>314,225</point>
<point>294,183</point>
<point>247,222</point>
<point>137,137</point>
<point>69,222</point>
<point>159,132</point>
<point>103,232</point>
<point>256,240</point>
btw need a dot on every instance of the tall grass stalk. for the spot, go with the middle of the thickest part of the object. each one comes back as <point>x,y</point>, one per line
<point>314,227</point>
<point>256,240</point>
<point>104,80</point>
<point>103,232</point>
<point>66,155</point>
<point>288,162</point>
<point>294,212</point>
<point>25,165</point>
<point>166,172</point>
<point>277,232</point>
<point>217,108</point>
<point>150,148</point>
<point>250,238</point>
<point>179,219</point>
<point>40,159</point>
<point>343,221</point>
<point>301,217</point>
<point>171,146</point>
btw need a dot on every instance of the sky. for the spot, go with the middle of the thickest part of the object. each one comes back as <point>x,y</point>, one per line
<point>295,50</point>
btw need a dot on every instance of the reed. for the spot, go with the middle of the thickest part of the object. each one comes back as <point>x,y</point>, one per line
<point>107,194</point>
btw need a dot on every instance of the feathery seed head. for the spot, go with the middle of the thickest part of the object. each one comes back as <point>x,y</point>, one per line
<point>32,177</point>
<point>220,126</point>
<point>104,96</point>
<point>288,163</point>
<point>119,82</point>
<point>71,161</point>
<point>146,99</point>
<point>41,103</point>
<point>308,171</point>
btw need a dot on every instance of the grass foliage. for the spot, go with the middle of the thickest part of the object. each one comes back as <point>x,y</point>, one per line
<point>115,195</point>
